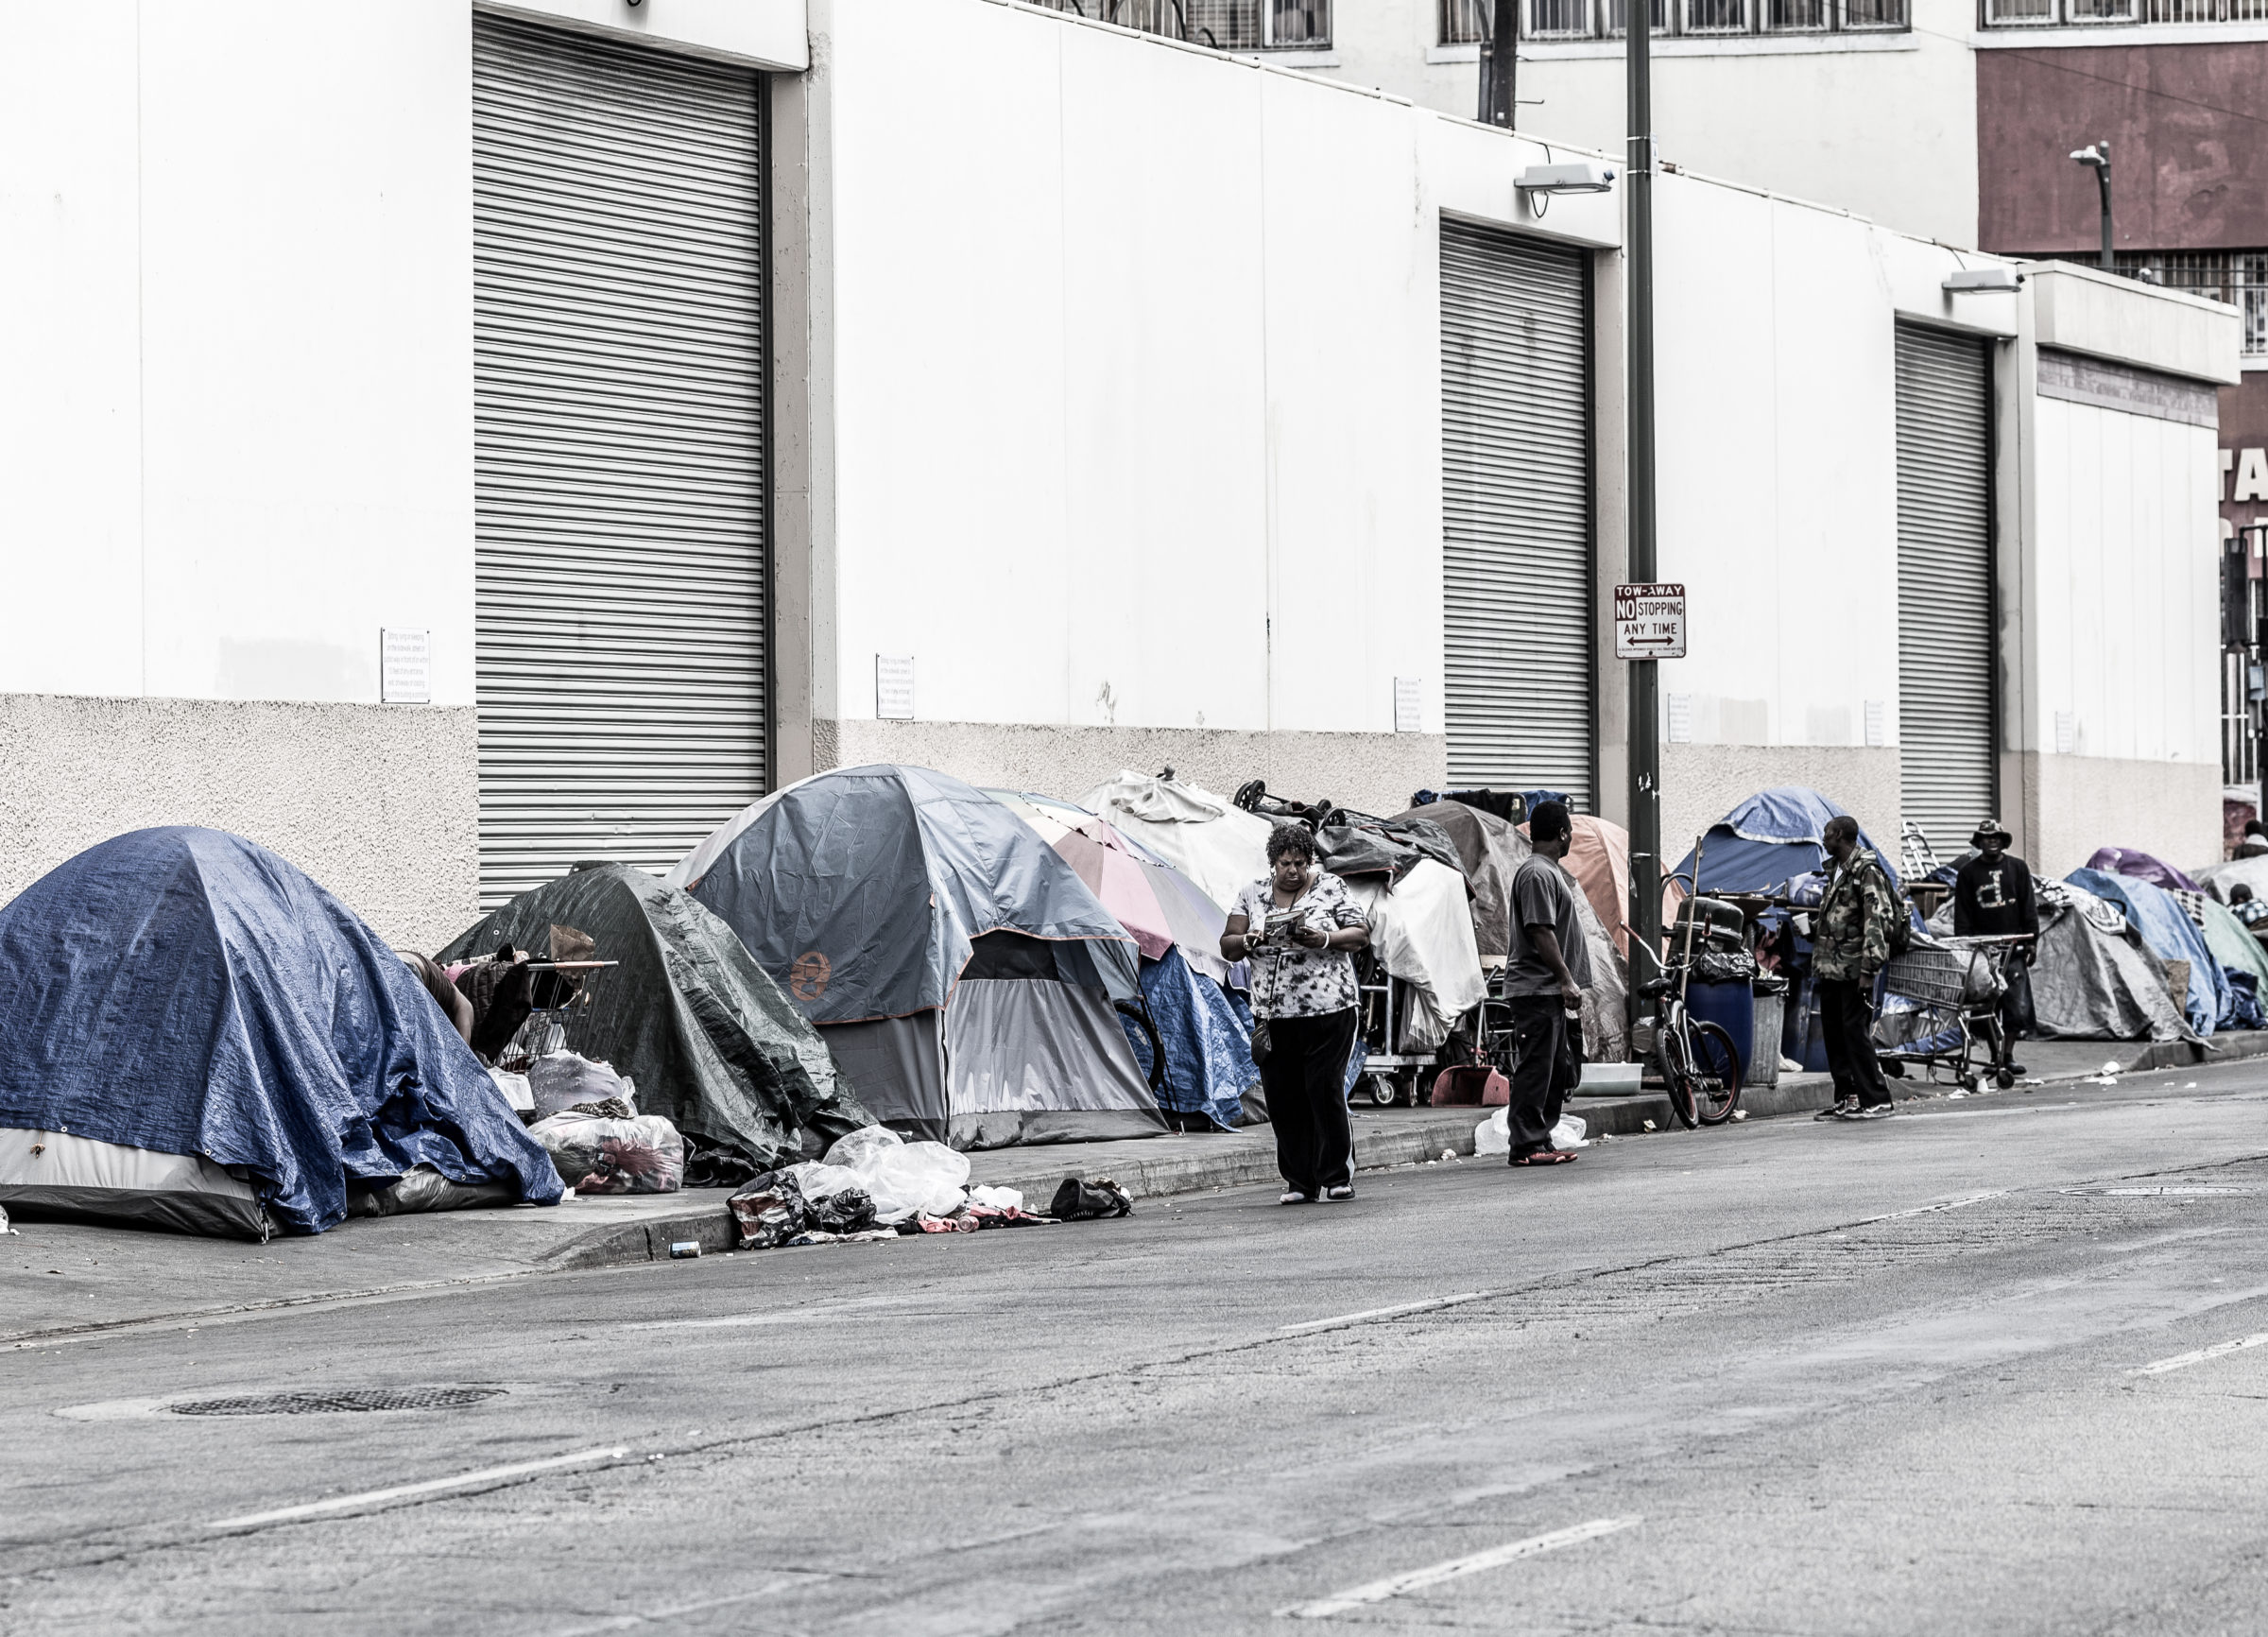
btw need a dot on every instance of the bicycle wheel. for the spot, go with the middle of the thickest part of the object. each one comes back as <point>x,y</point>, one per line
<point>1716,1080</point>
<point>1677,1076</point>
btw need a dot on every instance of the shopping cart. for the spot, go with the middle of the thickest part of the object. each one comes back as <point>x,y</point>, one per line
<point>559,1010</point>
<point>1941,1009</point>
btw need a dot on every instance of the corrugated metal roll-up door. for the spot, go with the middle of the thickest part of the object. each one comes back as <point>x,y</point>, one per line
<point>619,470</point>
<point>1517,696</point>
<point>1947,645</point>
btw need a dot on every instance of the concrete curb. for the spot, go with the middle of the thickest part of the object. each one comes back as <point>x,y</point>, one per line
<point>1190,1165</point>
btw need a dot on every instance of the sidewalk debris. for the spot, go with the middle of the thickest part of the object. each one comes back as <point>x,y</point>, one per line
<point>598,1151</point>
<point>1082,1198</point>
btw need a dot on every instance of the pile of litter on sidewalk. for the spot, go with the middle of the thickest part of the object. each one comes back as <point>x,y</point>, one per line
<point>875,1185</point>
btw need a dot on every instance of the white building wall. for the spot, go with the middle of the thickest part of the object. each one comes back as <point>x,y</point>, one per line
<point>1774,112</point>
<point>2127,605</point>
<point>1777,488</point>
<point>1160,416</point>
<point>237,427</point>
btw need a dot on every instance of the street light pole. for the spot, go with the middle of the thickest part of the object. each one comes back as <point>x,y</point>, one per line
<point>2103,182</point>
<point>2097,159</point>
<point>1501,73</point>
<point>1645,746</point>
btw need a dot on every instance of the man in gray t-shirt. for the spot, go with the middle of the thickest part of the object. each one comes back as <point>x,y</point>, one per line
<point>1543,896</point>
<point>1544,980</point>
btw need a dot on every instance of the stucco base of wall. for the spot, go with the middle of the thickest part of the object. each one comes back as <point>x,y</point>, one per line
<point>380,803</point>
<point>2075,804</point>
<point>1372,772</point>
<point>1701,782</point>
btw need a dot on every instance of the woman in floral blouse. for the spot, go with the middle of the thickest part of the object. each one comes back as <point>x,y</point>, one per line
<point>1296,925</point>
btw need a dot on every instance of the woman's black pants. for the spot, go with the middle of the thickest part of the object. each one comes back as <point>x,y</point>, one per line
<point>1305,1077</point>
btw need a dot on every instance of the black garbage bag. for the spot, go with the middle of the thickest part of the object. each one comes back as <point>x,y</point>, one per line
<point>1081,1199</point>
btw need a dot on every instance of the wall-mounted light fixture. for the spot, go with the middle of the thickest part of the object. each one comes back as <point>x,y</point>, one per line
<point>1583,176</point>
<point>1983,282</point>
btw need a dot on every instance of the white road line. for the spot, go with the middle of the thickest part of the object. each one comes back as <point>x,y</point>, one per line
<point>1426,1306</point>
<point>772,1588</point>
<point>1926,1210</point>
<point>2183,1360</point>
<point>1417,1579</point>
<point>431,1487</point>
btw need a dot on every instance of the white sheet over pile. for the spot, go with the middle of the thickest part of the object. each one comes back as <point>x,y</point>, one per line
<point>1216,844</point>
<point>1422,931</point>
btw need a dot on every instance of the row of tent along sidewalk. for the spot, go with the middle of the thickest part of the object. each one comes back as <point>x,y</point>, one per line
<point>2129,948</point>
<point>196,1035</point>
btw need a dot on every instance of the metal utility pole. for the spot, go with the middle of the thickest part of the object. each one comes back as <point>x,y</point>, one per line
<point>1645,745</point>
<point>1499,67</point>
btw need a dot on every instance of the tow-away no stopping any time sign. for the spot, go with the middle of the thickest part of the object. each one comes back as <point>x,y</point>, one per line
<point>1649,621</point>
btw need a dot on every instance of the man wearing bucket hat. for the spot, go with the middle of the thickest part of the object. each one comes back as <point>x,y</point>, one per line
<point>1993,898</point>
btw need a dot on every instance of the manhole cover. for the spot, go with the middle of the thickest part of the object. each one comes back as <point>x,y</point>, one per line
<point>353,1402</point>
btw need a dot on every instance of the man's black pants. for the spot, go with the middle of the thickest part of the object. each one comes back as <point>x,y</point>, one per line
<point>1846,1018</point>
<point>1543,1075</point>
<point>2016,1008</point>
<point>1305,1077</point>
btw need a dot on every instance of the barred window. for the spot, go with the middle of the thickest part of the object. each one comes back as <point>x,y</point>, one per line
<point>1298,22</point>
<point>1464,22</point>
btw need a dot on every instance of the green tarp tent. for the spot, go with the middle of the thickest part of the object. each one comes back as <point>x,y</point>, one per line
<point>688,1015</point>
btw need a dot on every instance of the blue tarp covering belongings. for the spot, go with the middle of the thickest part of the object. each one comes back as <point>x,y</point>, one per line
<point>196,1035</point>
<point>1208,1066</point>
<point>711,1042</point>
<point>2170,935</point>
<point>963,977</point>
<point>1772,836</point>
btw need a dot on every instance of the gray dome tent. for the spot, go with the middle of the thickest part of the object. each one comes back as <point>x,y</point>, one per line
<point>963,974</point>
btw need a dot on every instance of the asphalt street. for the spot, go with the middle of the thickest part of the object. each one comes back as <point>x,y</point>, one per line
<point>1986,1367</point>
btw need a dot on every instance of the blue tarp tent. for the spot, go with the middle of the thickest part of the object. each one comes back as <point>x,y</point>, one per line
<point>179,1002</point>
<point>1772,836</point>
<point>2167,928</point>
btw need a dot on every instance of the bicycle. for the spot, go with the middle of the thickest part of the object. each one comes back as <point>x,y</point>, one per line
<point>1699,1066</point>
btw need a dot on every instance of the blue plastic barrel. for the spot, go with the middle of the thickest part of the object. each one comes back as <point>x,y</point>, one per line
<point>1732,1007</point>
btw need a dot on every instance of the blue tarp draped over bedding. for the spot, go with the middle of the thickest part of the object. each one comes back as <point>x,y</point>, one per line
<point>189,991</point>
<point>1208,1050</point>
<point>2167,928</point>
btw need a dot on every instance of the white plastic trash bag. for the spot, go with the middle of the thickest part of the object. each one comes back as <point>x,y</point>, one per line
<point>862,1147</point>
<point>515,1088</point>
<point>905,1178</point>
<point>1492,1135</point>
<point>925,1179</point>
<point>997,1198</point>
<point>823,1179</point>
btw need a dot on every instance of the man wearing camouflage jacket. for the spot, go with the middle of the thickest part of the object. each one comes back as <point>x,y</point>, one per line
<point>1850,943</point>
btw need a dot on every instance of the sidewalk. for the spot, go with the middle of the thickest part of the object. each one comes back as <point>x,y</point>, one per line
<point>65,1281</point>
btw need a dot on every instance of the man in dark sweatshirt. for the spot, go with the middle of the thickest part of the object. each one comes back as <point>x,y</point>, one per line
<point>1993,897</point>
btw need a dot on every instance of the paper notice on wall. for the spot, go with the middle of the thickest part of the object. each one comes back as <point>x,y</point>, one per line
<point>894,687</point>
<point>1878,722</point>
<point>1681,718</point>
<point>1405,706</point>
<point>2067,733</point>
<point>405,666</point>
